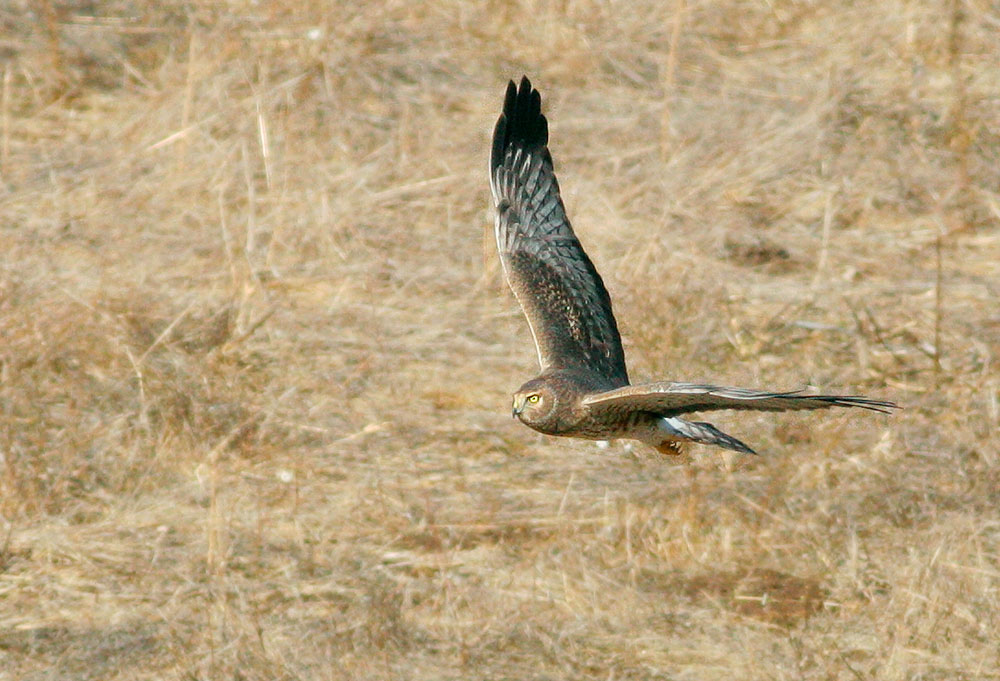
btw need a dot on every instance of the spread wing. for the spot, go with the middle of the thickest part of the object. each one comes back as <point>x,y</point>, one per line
<point>672,399</point>
<point>560,291</point>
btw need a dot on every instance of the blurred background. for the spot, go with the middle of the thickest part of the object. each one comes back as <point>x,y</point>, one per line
<point>257,353</point>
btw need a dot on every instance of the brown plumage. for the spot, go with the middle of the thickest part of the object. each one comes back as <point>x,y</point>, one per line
<point>583,389</point>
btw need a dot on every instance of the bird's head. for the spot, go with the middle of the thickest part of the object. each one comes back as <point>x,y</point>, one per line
<point>535,403</point>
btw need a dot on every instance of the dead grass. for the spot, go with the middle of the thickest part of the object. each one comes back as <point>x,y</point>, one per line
<point>256,353</point>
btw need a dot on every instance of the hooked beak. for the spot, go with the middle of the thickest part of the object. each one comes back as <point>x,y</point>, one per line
<point>517,408</point>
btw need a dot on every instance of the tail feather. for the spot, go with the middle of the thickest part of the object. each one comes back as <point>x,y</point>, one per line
<point>704,433</point>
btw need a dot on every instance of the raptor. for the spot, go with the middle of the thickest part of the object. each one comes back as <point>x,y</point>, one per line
<point>583,389</point>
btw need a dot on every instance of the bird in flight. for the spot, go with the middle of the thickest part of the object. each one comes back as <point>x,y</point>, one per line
<point>583,388</point>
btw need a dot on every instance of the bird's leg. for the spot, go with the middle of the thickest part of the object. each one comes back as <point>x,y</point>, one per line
<point>669,448</point>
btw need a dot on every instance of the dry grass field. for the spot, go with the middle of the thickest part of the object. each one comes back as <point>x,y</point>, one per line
<point>256,352</point>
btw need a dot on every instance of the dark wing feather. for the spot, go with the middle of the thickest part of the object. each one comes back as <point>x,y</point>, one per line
<point>560,291</point>
<point>673,399</point>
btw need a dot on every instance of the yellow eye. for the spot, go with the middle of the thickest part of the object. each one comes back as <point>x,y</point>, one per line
<point>533,399</point>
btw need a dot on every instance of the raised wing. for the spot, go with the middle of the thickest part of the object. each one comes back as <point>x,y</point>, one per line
<point>673,399</point>
<point>560,291</point>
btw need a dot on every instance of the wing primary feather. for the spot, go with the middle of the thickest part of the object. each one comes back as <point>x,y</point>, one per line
<point>521,125</point>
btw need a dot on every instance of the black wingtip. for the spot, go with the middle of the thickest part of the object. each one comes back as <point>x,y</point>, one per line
<point>708,434</point>
<point>521,124</point>
<point>738,446</point>
<point>881,406</point>
<point>727,441</point>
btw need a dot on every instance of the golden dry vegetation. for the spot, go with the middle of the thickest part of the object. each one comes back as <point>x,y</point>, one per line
<point>257,354</point>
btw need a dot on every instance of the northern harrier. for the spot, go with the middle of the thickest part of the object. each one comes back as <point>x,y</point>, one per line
<point>583,389</point>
